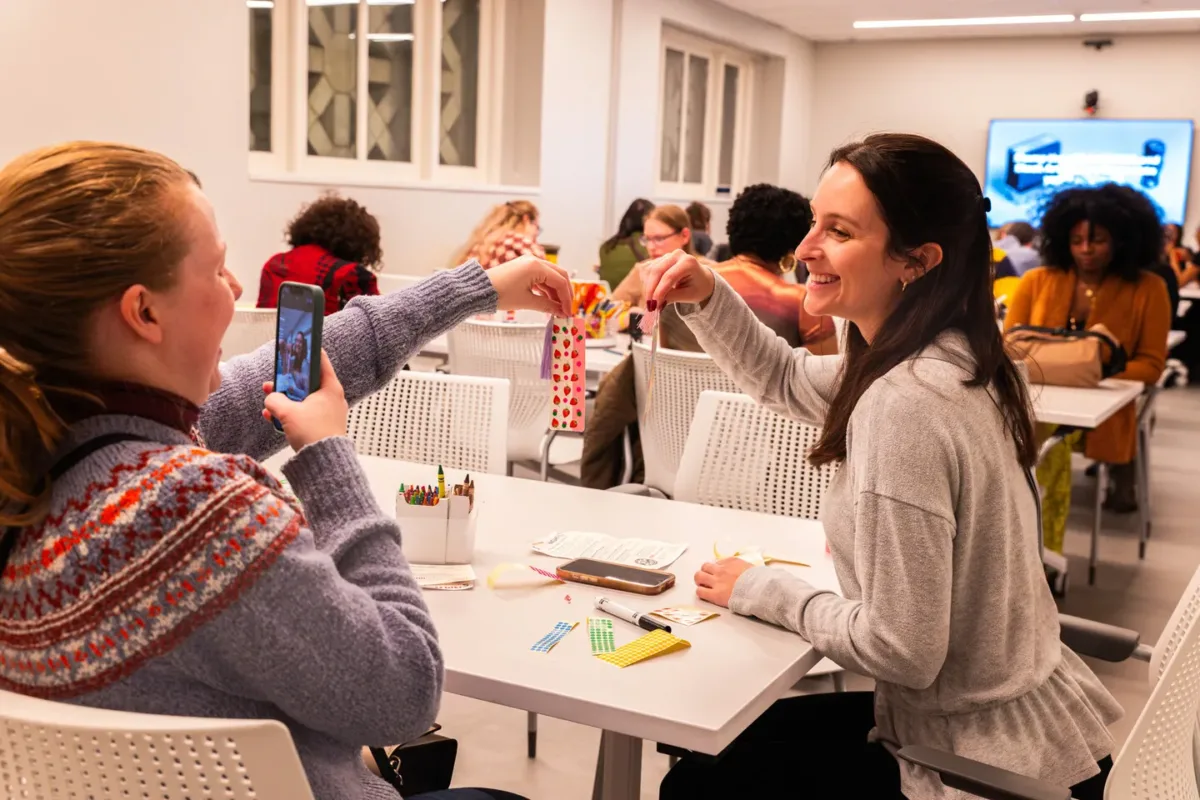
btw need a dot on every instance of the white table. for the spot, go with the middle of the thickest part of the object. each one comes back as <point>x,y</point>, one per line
<point>699,699</point>
<point>600,360</point>
<point>1086,409</point>
<point>1190,292</point>
<point>1176,338</point>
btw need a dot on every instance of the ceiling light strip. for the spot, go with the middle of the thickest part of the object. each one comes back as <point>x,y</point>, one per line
<point>1043,19</point>
<point>1140,16</point>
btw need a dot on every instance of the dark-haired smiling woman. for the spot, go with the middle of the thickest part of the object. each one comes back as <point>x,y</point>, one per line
<point>931,517</point>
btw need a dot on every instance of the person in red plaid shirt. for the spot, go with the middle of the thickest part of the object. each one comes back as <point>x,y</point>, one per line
<point>510,230</point>
<point>335,245</point>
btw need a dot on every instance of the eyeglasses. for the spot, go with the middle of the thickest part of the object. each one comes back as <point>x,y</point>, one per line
<point>660,239</point>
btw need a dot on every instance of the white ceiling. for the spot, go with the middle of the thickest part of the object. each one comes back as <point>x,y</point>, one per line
<point>832,20</point>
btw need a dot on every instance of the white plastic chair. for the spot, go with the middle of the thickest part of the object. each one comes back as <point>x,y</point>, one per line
<point>251,329</point>
<point>680,378</point>
<point>513,350</point>
<point>742,455</point>
<point>52,750</point>
<point>455,421</point>
<point>390,282</point>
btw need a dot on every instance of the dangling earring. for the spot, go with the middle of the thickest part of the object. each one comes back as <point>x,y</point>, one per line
<point>904,284</point>
<point>788,263</point>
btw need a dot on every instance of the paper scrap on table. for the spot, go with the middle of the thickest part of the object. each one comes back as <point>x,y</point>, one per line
<point>556,635</point>
<point>755,556</point>
<point>646,553</point>
<point>600,634</point>
<point>652,645</point>
<point>685,615</point>
<point>444,577</point>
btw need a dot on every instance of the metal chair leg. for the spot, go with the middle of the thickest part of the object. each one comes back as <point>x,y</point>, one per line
<point>531,727</point>
<point>547,441</point>
<point>1142,484</point>
<point>1097,519</point>
<point>839,681</point>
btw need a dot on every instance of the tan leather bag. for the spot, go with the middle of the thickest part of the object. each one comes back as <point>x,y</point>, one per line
<point>1059,357</point>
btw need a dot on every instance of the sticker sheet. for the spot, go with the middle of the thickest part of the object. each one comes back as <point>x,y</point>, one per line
<point>600,634</point>
<point>556,635</point>
<point>685,615</point>
<point>652,645</point>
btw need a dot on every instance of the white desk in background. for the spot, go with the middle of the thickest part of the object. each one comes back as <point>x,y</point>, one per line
<point>1176,338</point>
<point>1190,292</point>
<point>1086,409</point>
<point>600,360</point>
<point>700,698</point>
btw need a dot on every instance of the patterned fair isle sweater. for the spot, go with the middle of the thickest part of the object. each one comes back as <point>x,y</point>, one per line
<point>174,576</point>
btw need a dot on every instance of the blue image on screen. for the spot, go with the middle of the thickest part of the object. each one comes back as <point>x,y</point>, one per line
<point>294,352</point>
<point>1029,160</point>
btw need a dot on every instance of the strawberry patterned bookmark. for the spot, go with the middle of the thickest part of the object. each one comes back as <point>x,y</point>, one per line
<point>568,369</point>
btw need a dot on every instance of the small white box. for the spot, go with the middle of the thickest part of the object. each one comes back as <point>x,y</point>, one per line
<point>441,534</point>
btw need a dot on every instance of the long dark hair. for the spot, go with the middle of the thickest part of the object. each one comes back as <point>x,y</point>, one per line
<point>1128,215</point>
<point>631,223</point>
<point>927,194</point>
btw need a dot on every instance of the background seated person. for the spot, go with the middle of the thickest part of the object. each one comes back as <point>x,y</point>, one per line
<point>335,245</point>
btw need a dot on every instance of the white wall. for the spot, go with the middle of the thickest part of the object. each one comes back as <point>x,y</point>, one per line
<point>950,90</point>
<point>636,130</point>
<point>172,75</point>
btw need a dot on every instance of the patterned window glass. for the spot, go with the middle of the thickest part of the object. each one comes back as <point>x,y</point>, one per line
<point>260,79</point>
<point>458,120</point>
<point>672,116</point>
<point>390,83</point>
<point>332,79</point>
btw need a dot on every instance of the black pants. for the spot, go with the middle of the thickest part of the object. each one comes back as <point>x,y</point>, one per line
<point>817,745</point>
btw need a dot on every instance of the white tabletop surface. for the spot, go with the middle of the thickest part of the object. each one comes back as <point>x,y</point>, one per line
<point>1083,408</point>
<point>1190,292</point>
<point>1176,338</point>
<point>700,698</point>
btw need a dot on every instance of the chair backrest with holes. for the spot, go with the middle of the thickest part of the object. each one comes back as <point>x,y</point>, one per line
<point>1157,761</point>
<point>390,282</point>
<point>457,421</point>
<point>679,379</point>
<point>513,351</point>
<point>52,750</point>
<point>742,455</point>
<point>251,329</point>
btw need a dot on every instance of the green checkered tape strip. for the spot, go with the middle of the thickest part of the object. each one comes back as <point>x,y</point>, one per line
<point>600,633</point>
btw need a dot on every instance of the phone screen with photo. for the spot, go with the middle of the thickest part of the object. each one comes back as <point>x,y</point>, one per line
<point>294,345</point>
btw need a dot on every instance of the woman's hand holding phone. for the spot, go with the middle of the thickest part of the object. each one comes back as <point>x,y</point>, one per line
<point>320,415</point>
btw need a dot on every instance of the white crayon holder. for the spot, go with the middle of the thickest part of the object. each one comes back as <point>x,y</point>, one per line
<point>441,534</point>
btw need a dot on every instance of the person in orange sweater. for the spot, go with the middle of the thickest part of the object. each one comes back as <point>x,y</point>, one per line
<point>1098,245</point>
<point>766,224</point>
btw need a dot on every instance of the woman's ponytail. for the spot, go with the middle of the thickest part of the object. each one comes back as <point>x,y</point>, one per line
<point>29,431</point>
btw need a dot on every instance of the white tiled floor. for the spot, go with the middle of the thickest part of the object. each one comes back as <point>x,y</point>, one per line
<point>1134,594</point>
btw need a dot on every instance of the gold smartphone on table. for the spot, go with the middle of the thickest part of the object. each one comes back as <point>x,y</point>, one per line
<point>616,576</point>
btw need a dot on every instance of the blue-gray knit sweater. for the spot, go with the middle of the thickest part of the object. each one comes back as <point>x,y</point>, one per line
<point>173,576</point>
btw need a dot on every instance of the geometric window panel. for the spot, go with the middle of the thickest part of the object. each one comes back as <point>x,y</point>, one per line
<point>260,79</point>
<point>390,83</point>
<point>458,120</point>
<point>729,99</point>
<point>697,101</point>
<point>332,80</point>
<point>672,115</point>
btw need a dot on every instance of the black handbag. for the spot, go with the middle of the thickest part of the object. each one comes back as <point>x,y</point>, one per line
<point>423,765</point>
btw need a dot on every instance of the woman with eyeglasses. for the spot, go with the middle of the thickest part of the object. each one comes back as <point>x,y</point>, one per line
<point>667,229</point>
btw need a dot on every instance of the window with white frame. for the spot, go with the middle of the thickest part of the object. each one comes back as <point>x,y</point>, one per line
<point>380,89</point>
<point>705,105</point>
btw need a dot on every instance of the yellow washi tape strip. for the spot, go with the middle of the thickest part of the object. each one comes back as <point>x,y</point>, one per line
<point>766,558</point>
<point>503,568</point>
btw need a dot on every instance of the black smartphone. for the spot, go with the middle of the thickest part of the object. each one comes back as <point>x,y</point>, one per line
<point>298,324</point>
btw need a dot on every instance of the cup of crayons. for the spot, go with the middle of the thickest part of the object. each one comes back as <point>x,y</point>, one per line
<point>436,526</point>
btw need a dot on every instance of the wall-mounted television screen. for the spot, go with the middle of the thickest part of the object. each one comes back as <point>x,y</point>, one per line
<point>1030,159</point>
